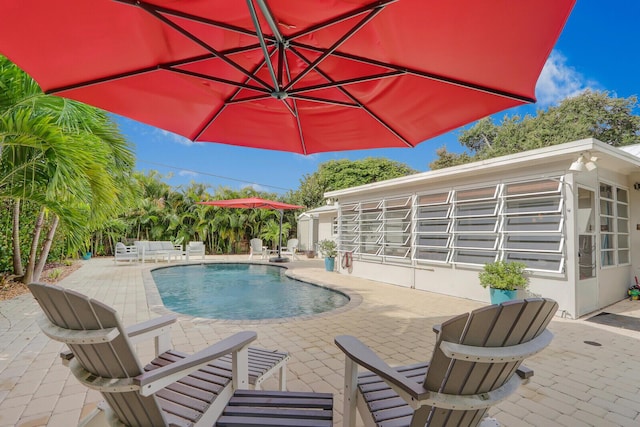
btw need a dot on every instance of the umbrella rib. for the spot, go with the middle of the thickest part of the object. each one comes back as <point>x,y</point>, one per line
<point>341,18</point>
<point>152,11</point>
<point>247,99</point>
<point>326,53</point>
<point>347,82</point>
<point>166,66</point>
<point>354,99</point>
<point>216,79</point>
<point>326,101</point>
<point>195,18</point>
<point>418,73</point>
<point>87,83</point>
<point>229,100</point>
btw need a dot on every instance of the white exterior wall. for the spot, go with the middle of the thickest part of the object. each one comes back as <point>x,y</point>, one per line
<point>325,226</point>
<point>634,225</point>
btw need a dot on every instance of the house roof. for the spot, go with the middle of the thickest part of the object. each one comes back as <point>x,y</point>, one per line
<point>322,209</point>
<point>632,149</point>
<point>608,156</point>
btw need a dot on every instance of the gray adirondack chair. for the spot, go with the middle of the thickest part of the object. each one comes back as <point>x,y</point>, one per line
<point>206,388</point>
<point>476,363</point>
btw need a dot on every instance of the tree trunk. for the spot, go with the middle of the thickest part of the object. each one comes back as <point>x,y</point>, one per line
<point>17,254</point>
<point>28,274</point>
<point>46,247</point>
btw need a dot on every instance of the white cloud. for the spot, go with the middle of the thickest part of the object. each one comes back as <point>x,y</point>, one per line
<point>174,137</point>
<point>188,173</point>
<point>256,187</point>
<point>559,80</point>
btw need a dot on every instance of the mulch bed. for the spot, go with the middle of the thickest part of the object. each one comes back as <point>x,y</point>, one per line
<point>52,273</point>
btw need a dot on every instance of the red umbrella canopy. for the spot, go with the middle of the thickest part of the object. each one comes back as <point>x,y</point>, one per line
<point>249,203</point>
<point>300,76</point>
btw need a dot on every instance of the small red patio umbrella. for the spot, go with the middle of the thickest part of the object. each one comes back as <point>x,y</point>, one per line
<point>257,203</point>
<point>300,76</point>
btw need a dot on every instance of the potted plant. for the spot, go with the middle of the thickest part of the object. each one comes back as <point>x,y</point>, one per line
<point>503,279</point>
<point>329,249</point>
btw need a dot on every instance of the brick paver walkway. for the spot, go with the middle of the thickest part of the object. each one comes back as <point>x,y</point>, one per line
<point>575,384</point>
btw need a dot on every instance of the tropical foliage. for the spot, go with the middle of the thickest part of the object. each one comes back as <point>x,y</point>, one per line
<point>63,161</point>
<point>344,173</point>
<point>588,115</point>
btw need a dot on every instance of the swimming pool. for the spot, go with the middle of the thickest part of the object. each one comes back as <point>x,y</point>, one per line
<point>241,292</point>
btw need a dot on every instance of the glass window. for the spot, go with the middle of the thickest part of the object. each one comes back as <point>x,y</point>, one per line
<point>437,240</point>
<point>431,254</point>
<point>476,241</point>
<point>606,207</point>
<point>516,220</point>
<point>532,187</point>
<point>476,209</point>
<point>431,212</point>
<point>433,199</point>
<point>536,205</point>
<point>623,256</point>
<point>607,258</point>
<point>606,191</point>
<point>433,226</point>
<point>474,257</point>
<point>396,251</point>
<point>476,194</point>
<point>614,225</point>
<point>471,225</point>
<point>534,242</point>
<point>622,195</point>
<point>538,261</point>
<point>534,223</point>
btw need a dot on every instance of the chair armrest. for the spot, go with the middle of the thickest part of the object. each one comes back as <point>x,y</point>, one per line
<point>513,353</point>
<point>137,333</point>
<point>150,328</point>
<point>152,381</point>
<point>355,350</point>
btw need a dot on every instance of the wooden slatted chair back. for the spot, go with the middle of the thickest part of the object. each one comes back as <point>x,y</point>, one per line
<point>503,325</point>
<point>72,311</point>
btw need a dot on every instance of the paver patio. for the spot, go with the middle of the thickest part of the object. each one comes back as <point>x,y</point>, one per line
<point>575,383</point>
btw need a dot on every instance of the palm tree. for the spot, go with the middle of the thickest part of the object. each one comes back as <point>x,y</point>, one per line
<point>66,157</point>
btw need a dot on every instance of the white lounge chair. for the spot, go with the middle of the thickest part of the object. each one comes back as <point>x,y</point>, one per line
<point>290,250</point>
<point>125,253</point>
<point>255,248</point>
<point>156,250</point>
<point>195,248</point>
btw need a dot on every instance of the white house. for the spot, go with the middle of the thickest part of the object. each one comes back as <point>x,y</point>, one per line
<point>317,224</point>
<point>571,212</point>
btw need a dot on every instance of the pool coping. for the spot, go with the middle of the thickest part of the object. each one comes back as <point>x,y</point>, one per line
<point>157,306</point>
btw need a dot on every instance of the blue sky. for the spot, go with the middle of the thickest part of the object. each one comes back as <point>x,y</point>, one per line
<point>597,50</point>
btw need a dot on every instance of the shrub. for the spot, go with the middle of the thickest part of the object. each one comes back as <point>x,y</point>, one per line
<point>329,248</point>
<point>504,275</point>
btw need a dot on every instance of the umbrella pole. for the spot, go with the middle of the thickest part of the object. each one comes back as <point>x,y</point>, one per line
<point>279,257</point>
<point>280,233</point>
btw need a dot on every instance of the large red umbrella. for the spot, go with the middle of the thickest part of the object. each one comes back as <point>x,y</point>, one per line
<point>257,203</point>
<point>338,74</point>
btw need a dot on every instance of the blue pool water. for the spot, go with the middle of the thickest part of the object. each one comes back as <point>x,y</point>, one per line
<point>241,292</point>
